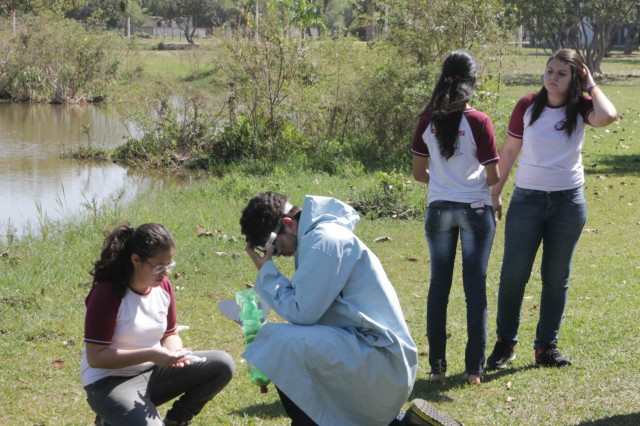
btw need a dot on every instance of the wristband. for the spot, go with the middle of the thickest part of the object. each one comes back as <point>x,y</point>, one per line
<point>593,91</point>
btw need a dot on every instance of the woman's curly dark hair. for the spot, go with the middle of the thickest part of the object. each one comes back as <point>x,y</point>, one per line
<point>115,264</point>
<point>261,215</point>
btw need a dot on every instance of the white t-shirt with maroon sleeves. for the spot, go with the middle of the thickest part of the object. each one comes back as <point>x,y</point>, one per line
<point>549,160</point>
<point>462,177</point>
<point>132,321</point>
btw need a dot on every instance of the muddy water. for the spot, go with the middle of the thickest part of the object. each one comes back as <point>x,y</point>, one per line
<point>37,185</point>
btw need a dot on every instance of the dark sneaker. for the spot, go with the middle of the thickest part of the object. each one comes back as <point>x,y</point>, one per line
<point>551,357</point>
<point>100,422</point>
<point>168,422</point>
<point>422,413</point>
<point>502,354</point>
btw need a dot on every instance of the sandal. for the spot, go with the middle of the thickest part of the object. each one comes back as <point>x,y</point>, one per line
<point>472,379</point>
<point>437,378</point>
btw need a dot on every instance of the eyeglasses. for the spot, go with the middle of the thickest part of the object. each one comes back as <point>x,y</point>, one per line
<point>159,269</point>
<point>272,241</point>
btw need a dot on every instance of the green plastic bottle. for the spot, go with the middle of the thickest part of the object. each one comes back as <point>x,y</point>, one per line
<point>251,317</point>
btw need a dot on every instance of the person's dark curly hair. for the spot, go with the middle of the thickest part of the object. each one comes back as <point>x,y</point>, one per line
<point>261,215</point>
<point>115,264</point>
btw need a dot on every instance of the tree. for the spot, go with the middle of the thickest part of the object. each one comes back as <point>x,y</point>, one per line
<point>588,26</point>
<point>113,13</point>
<point>8,7</point>
<point>631,40</point>
<point>419,30</point>
<point>186,13</point>
<point>307,13</point>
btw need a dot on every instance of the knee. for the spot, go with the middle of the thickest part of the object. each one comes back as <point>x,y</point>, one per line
<point>227,367</point>
<point>221,366</point>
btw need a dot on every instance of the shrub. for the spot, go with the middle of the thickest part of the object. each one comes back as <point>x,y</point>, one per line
<point>57,63</point>
<point>394,197</point>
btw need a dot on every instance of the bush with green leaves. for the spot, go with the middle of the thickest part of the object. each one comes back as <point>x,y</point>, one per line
<point>394,196</point>
<point>52,59</point>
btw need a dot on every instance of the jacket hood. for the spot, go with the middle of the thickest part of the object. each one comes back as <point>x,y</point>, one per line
<point>316,209</point>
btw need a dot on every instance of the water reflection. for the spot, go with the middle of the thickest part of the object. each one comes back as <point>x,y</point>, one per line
<point>37,184</point>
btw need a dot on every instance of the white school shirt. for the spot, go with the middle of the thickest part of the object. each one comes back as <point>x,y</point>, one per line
<point>549,160</point>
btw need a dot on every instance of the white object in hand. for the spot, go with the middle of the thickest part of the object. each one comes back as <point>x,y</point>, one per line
<point>189,356</point>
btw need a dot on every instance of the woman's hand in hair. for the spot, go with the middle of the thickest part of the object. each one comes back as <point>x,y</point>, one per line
<point>587,79</point>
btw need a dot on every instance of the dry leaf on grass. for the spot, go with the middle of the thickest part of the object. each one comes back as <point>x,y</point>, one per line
<point>203,232</point>
<point>381,239</point>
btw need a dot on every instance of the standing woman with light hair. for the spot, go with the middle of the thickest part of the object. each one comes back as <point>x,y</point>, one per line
<point>546,134</point>
<point>455,154</point>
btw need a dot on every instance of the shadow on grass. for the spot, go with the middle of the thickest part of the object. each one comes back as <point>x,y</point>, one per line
<point>615,164</point>
<point>436,391</point>
<point>263,411</point>
<point>619,420</point>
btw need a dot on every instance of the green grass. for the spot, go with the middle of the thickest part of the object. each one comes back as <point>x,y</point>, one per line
<point>43,283</point>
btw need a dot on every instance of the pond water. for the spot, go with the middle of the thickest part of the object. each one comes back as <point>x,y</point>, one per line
<point>37,185</point>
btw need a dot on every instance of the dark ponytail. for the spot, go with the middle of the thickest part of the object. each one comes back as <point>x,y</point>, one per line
<point>454,89</point>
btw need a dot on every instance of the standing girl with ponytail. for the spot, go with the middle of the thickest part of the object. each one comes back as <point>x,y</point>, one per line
<point>454,153</point>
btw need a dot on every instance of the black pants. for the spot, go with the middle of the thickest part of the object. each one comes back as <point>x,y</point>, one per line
<point>299,418</point>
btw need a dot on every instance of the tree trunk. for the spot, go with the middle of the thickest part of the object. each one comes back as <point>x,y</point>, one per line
<point>631,42</point>
<point>371,20</point>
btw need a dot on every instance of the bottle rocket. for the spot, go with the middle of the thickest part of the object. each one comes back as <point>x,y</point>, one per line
<point>251,317</point>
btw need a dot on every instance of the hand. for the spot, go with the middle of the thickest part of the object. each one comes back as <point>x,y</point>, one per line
<point>184,355</point>
<point>496,200</point>
<point>587,80</point>
<point>165,357</point>
<point>255,256</point>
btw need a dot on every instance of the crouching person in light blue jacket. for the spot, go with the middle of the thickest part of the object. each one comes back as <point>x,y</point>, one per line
<point>346,356</point>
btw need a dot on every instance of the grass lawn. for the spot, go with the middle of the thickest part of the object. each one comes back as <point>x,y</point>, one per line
<point>43,284</point>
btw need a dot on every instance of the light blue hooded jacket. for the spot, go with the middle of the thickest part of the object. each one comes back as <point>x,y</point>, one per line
<point>346,358</point>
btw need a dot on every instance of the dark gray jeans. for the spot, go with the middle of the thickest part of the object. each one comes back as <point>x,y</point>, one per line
<point>132,401</point>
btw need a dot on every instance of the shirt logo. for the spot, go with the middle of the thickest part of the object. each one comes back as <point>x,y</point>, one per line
<point>560,125</point>
<point>161,317</point>
<point>460,132</point>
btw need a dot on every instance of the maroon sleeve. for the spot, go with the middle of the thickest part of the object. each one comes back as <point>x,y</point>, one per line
<point>172,316</point>
<point>102,305</point>
<point>483,135</point>
<point>586,107</point>
<point>516,123</point>
<point>419,147</point>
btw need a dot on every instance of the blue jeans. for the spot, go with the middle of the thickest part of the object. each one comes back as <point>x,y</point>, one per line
<point>446,220</point>
<point>554,219</point>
